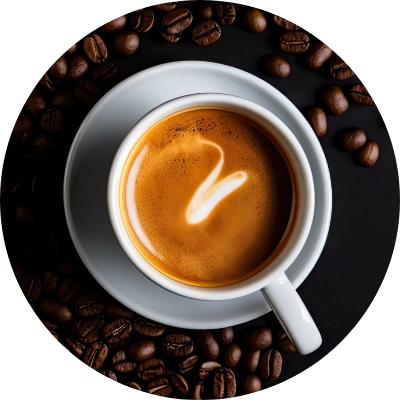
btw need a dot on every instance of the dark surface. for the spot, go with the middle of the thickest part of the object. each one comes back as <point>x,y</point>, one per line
<point>348,279</point>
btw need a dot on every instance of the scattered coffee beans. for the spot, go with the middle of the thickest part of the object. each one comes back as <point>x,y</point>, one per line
<point>126,43</point>
<point>208,367</point>
<point>294,42</point>
<point>104,72</point>
<point>208,345</point>
<point>276,66</point>
<point>95,355</point>
<point>50,279</point>
<point>179,383</point>
<point>133,385</point>
<point>151,369</point>
<point>51,120</point>
<point>166,6</point>
<point>54,311</point>
<point>69,289</point>
<point>117,333</point>
<point>121,364</point>
<point>177,345</point>
<point>340,70</point>
<point>63,100</point>
<point>59,69</point>
<point>87,92</point>
<point>147,327</point>
<point>271,364</point>
<point>250,360</point>
<point>232,354</point>
<point>317,119</point>
<point>258,339</point>
<point>142,350</point>
<point>35,104</point>
<point>31,287</point>
<point>142,21</point>
<point>88,331</point>
<point>22,127</point>
<point>116,310</point>
<point>77,67</point>
<point>197,391</point>
<point>285,24</point>
<point>46,84</point>
<point>368,154</point>
<point>205,10</point>
<point>284,342</point>
<point>160,387</point>
<point>334,100</point>
<point>176,21</point>
<point>94,48</point>
<point>318,54</point>
<point>187,364</point>
<point>206,33</point>
<point>255,20</point>
<point>110,374</point>
<point>224,383</point>
<point>225,13</point>
<point>72,49</point>
<point>251,384</point>
<point>115,25</point>
<point>360,95</point>
<point>224,336</point>
<point>90,304</point>
<point>352,139</point>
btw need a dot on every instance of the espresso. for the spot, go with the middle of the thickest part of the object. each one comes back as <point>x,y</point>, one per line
<point>207,196</point>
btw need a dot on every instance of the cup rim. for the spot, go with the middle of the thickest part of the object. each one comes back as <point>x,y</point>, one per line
<point>305,210</point>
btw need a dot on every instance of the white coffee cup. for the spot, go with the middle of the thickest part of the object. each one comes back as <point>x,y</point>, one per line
<point>272,280</point>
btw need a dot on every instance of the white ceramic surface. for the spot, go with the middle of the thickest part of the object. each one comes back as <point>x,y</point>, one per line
<point>85,189</point>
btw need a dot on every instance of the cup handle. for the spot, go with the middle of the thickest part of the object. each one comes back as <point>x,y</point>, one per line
<point>292,315</point>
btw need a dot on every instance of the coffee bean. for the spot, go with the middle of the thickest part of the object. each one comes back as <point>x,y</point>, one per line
<point>206,33</point>
<point>160,387</point>
<point>126,43</point>
<point>95,355</point>
<point>69,289</point>
<point>72,49</point>
<point>340,70</point>
<point>317,119</point>
<point>120,363</point>
<point>117,333</point>
<point>63,100</point>
<point>51,120</point>
<point>224,383</point>
<point>250,360</point>
<point>317,55</point>
<point>251,384</point>
<point>360,95</point>
<point>87,92</point>
<point>187,364</point>
<point>117,310</point>
<point>225,13</point>
<point>151,369</point>
<point>176,21</point>
<point>35,103</point>
<point>142,21</point>
<point>22,127</point>
<point>26,214</point>
<point>177,345</point>
<point>232,354</point>
<point>147,327</point>
<point>133,385</point>
<point>255,20</point>
<point>334,99</point>
<point>179,383</point>
<point>352,139</point>
<point>50,279</point>
<point>271,364</point>
<point>55,311</point>
<point>208,367</point>
<point>94,48</point>
<point>31,287</point>
<point>77,67</point>
<point>197,391</point>
<point>368,154</point>
<point>67,267</point>
<point>276,66</point>
<point>104,72</point>
<point>224,336</point>
<point>294,42</point>
<point>285,24</point>
<point>205,10</point>
<point>88,331</point>
<point>284,342</point>
<point>59,69</point>
<point>258,338</point>
<point>90,304</point>
<point>115,25</point>
<point>110,374</point>
<point>142,350</point>
<point>166,6</point>
<point>46,84</point>
<point>208,345</point>
<point>74,346</point>
<point>170,38</point>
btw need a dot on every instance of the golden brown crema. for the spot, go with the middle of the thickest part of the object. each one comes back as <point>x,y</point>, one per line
<point>206,196</point>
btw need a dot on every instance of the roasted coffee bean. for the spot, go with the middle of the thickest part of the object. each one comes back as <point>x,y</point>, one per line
<point>26,214</point>
<point>250,360</point>
<point>340,70</point>
<point>117,333</point>
<point>51,120</point>
<point>95,48</point>
<point>251,384</point>
<point>205,10</point>
<point>88,92</point>
<point>110,374</point>
<point>147,327</point>
<point>46,84</point>
<point>352,139</point>
<point>166,6</point>
<point>276,66</point>
<point>232,354</point>
<point>50,325</point>
<point>90,304</point>
<point>334,100</point>
<point>224,336</point>
<point>133,385</point>
<point>206,33</point>
<point>142,350</point>
<point>74,346</point>
<point>368,154</point>
<point>69,289</point>
<point>207,367</point>
<point>77,67</point>
<point>59,69</point>
<point>95,355</point>
<point>179,383</point>
<point>120,363</point>
<point>224,383</point>
<point>187,364</point>
<point>271,364</point>
<point>160,387</point>
<point>285,24</point>
<point>117,310</point>
<point>126,43</point>
<point>255,20</point>
<point>67,267</point>
<point>284,342</point>
<point>54,311</point>
<point>72,49</point>
<point>142,21</point>
<point>170,38</point>
<point>22,127</point>
<point>176,21</point>
<point>197,391</point>
<point>177,345</point>
<point>294,42</point>
<point>115,25</point>
<point>225,13</point>
<point>317,119</point>
<point>360,95</point>
<point>88,330</point>
<point>31,287</point>
<point>258,338</point>
<point>317,55</point>
<point>151,369</point>
<point>50,279</point>
<point>104,72</point>
<point>35,103</point>
<point>208,345</point>
<point>63,100</point>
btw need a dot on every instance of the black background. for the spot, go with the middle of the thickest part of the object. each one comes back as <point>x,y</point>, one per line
<point>360,362</point>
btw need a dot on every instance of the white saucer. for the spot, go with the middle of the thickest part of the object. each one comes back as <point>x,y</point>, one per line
<point>85,189</point>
